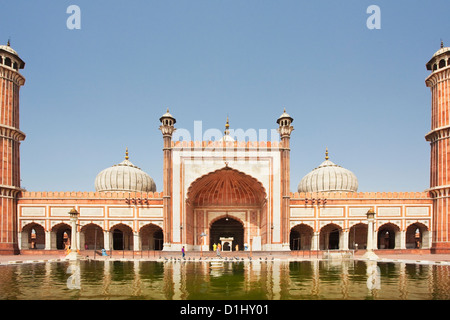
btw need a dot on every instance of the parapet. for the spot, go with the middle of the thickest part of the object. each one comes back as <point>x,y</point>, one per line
<point>266,145</point>
<point>89,195</point>
<point>360,195</point>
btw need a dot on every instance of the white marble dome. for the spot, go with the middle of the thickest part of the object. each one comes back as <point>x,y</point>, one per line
<point>329,177</point>
<point>124,176</point>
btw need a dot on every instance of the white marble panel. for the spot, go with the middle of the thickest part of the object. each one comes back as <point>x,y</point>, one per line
<point>33,211</point>
<point>120,212</point>
<point>389,212</point>
<point>302,212</point>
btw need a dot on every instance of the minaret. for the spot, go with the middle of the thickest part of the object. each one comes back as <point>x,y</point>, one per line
<point>167,128</point>
<point>285,129</point>
<point>439,137</point>
<point>10,137</point>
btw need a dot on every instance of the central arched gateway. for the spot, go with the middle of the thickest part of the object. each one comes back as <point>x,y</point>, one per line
<point>228,232</point>
<point>226,194</point>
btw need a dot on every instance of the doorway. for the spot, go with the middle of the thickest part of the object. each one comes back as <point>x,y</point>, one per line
<point>227,228</point>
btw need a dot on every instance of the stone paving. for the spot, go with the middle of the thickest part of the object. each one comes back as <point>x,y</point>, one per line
<point>438,259</point>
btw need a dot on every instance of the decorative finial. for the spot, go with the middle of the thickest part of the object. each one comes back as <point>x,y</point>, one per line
<point>227,127</point>
<point>284,111</point>
<point>126,154</point>
<point>9,42</point>
<point>326,154</point>
<point>442,44</point>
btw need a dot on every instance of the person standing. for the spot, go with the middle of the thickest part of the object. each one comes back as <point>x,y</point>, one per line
<point>183,253</point>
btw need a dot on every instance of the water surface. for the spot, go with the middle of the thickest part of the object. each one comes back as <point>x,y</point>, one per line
<point>277,280</point>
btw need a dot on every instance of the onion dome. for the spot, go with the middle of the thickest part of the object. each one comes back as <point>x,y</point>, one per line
<point>329,177</point>
<point>124,176</point>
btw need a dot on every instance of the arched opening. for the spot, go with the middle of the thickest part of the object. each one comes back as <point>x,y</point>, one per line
<point>15,66</point>
<point>92,236</point>
<point>225,193</point>
<point>230,229</point>
<point>386,236</point>
<point>8,62</point>
<point>33,236</point>
<point>63,236</point>
<point>442,63</point>
<point>151,237</point>
<point>300,237</point>
<point>329,237</point>
<point>122,237</point>
<point>357,236</point>
<point>416,236</point>
<point>434,67</point>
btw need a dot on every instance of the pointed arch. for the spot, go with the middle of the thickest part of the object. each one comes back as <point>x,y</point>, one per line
<point>388,236</point>
<point>151,236</point>
<point>330,237</point>
<point>63,234</point>
<point>225,187</point>
<point>33,236</point>
<point>357,236</point>
<point>228,191</point>
<point>92,237</point>
<point>417,236</point>
<point>300,237</point>
<point>122,237</point>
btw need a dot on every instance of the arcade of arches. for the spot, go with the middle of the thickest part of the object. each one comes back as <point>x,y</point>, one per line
<point>92,237</point>
<point>302,236</point>
<point>332,237</point>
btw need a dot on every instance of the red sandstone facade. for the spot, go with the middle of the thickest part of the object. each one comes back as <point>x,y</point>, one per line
<point>439,137</point>
<point>10,137</point>
<point>223,188</point>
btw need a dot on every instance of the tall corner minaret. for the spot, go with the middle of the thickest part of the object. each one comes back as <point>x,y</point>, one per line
<point>167,128</point>
<point>439,137</point>
<point>10,137</point>
<point>285,129</point>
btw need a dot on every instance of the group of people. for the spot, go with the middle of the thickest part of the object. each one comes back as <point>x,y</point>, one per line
<point>216,247</point>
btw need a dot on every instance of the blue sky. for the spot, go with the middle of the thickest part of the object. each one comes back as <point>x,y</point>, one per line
<point>92,92</point>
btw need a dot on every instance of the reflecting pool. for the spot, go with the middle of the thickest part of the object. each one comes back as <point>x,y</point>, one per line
<point>272,280</point>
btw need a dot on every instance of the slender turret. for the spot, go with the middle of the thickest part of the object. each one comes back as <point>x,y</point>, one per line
<point>10,137</point>
<point>439,137</point>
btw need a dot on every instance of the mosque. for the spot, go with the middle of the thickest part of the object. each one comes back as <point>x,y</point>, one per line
<point>236,193</point>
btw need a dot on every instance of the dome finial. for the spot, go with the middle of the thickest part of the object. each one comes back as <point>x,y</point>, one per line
<point>9,42</point>
<point>442,43</point>
<point>227,127</point>
<point>326,154</point>
<point>126,154</point>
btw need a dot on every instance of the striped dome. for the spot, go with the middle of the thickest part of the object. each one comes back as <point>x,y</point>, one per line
<point>329,177</point>
<point>124,176</point>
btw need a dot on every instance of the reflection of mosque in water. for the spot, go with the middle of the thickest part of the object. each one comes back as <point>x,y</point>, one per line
<point>273,280</point>
<point>281,280</point>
